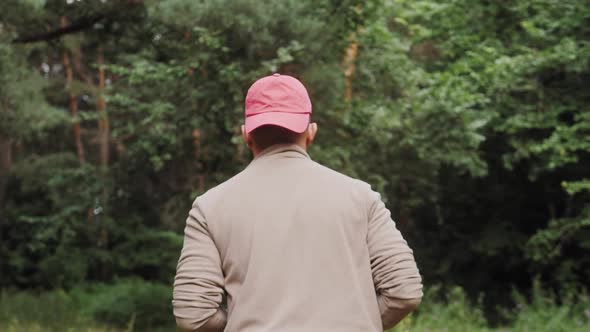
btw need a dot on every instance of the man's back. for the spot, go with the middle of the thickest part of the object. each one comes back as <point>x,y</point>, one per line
<point>299,248</point>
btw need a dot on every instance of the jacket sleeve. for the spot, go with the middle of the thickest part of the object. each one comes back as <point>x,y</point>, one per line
<point>198,286</point>
<point>395,274</point>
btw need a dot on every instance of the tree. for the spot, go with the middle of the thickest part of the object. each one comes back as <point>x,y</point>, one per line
<point>470,117</point>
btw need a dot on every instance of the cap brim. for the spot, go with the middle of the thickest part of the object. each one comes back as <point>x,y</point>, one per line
<point>296,122</point>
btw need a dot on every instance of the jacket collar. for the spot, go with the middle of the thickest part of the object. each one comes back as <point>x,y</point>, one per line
<point>282,150</point>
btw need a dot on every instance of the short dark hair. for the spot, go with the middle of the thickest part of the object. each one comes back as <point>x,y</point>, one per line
<point>268,135</point>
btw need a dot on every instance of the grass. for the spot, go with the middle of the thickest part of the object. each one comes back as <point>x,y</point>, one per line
<point>58,311</point>
<point>52,311</point>
<point>45,312</point>
<point>541,312</point>
<point>440,311</point>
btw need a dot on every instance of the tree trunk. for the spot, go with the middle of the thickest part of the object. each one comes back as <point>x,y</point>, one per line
<point>197,137</point>
<point>349,64</point>
<point>73,101</point>
<point>5,164</point>
<point>77,129</point>
<point>104,141</point>
<point>103,120</point>
<point>198,165</point>
<point>402,218</point>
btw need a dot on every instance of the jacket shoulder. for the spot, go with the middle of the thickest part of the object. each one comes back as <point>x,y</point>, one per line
<point>341,177</point>
<point>342,181</point>
<point>216,192</point>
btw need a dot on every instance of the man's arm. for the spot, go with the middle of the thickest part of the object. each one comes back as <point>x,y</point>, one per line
<point>395,274</point>
<point>198,286</point>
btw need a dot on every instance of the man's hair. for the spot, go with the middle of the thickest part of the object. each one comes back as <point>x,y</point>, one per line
<point>268,135</point>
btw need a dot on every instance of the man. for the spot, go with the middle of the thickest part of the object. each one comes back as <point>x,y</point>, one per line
<point>294,245</point>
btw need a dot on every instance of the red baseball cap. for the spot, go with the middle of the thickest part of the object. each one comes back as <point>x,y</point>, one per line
<point>279,100</point>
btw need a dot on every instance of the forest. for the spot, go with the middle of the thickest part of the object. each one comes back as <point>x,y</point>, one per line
<point>470,117</point>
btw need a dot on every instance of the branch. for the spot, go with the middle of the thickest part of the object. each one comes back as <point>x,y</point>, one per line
<point>76,26</point>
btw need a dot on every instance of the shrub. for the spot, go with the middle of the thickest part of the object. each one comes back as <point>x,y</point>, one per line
<point>545,311</point>
<point>449,310</point>
<point>446,310</point>
<point>52,310</point>
<point>146,304</point>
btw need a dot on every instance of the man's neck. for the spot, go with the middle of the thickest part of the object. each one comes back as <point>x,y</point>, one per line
<point>256,151</point>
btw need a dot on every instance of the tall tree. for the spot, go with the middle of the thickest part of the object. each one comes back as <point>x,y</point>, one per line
<point>73,103</point>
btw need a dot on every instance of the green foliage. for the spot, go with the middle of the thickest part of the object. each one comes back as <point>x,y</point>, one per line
<point>132,305</point>
<point>53,311</point>
<point>148,305</point>
<point>450,310</point>
<point>54,240</point>
<point>471,117</point>
<point>23,109</point>
<point>155,254</point>
<point>544,312</point>
<point>518,76</point>
<point>128,305</point>
<point>41,238</point>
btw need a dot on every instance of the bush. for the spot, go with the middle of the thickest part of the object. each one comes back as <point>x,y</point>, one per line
<point>46,217</point>
<point>146,305</point>
<point>50,237</point>
<point>151,254</point>
<point>545,311</point>
<point>137,305</point>
<point>52,310</point>
<point>128,305</point>
<point>446,310</point>
<point>449,309</point>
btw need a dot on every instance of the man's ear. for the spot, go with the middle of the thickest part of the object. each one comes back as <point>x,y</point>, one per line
<point>312,130</point>
<point>246,136</point>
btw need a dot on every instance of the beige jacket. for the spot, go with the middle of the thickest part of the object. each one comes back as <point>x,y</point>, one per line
<point>295,246</point>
